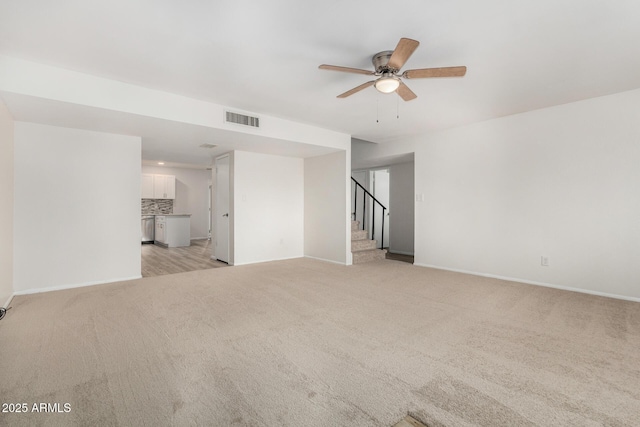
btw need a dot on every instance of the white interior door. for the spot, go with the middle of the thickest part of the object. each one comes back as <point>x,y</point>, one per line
<point>381,193</point>
<point>222,209</point>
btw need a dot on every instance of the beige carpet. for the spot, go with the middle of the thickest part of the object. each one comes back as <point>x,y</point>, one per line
<point>303,342</point>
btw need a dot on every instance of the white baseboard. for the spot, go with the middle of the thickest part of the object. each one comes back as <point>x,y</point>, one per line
<point>6,305</point>
<point>199,238</point>
<point>77,285</point>
<point>531,282</point>
<point>325,260</point>
<point>235,264</point>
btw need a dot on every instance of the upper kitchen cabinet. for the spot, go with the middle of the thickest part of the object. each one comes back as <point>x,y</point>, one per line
<point>147,186</point>
<point>164,187</point>
<point>158,186</point>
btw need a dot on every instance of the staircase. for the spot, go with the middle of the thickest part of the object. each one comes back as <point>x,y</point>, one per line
<point>362,248</point>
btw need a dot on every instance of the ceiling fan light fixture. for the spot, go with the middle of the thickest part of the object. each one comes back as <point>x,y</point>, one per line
<point>387,65</point>
<point>387,84</point>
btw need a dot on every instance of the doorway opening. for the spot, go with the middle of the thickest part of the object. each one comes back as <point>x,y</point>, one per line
<point>380,181</point>
<point>176,220</point>
<point>393,186</point>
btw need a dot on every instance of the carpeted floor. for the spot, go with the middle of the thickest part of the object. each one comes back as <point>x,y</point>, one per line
<point>307,343</point>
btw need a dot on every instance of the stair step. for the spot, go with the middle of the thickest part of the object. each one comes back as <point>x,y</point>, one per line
<point>360,257</point>
<point>363,245</point>
<point>355,225</point>
<point>359,235</point>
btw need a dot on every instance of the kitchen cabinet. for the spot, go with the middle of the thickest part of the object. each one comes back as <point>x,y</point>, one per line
<point>147,186</point>
<point>173,230</point>
<point>158,186</point>
<point>164,186</point>
<point>160,235</point>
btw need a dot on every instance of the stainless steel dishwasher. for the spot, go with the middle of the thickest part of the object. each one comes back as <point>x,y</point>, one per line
<point>148,228</point>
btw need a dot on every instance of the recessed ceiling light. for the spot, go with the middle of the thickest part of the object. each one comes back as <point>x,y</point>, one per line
<point>161,163</point>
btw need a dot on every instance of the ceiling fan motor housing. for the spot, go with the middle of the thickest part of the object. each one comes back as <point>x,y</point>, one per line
<point>381,60</point>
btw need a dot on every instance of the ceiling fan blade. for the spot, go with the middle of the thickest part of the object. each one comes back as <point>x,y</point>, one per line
<point>345,69</point>
<point>422,73</point>
<point>405,93</point>
<point>402,52</point>
<point>356,89</point>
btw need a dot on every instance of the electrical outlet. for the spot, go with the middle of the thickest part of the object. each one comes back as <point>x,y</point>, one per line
<point>544,261</point>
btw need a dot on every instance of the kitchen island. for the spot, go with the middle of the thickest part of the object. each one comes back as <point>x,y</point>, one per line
<point>173,230</point>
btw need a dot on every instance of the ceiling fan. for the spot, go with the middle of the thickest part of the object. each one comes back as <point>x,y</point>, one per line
<point>387,66</point>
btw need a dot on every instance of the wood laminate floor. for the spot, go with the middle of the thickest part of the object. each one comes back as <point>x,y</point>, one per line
<point>159,261</point>
<point>400,257</point>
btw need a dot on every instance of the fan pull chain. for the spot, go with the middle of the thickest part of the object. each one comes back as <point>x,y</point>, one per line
<point>398,107</point>
<point>378,109</point>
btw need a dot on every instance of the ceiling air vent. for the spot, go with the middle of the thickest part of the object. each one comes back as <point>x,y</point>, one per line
<point>241,119</point>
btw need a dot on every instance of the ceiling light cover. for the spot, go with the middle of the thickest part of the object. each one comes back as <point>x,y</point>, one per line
<point>387,84</point>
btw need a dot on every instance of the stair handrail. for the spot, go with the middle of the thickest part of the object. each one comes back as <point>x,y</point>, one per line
<point>373,214</point>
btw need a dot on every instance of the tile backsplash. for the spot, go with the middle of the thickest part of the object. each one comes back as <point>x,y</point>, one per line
<point>157,206</point>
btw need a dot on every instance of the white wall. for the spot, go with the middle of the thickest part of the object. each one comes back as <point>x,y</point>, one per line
<point>327,202</point>
<point>6,207</point>
<point>77,207</point>
<point>401,208</point>
<point>268,213</point>
<point>192,195</point>
<point>562,182</point>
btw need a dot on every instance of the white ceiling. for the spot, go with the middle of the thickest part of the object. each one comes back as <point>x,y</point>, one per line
<point>263,56</point>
